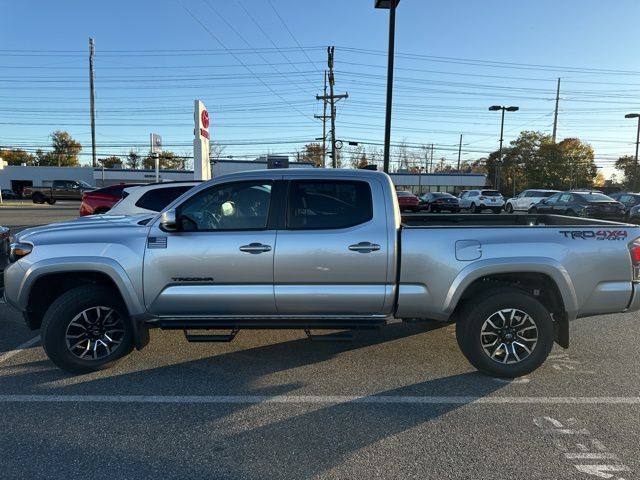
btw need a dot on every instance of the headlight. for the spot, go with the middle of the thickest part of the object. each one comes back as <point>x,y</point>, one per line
<point>19,250</point>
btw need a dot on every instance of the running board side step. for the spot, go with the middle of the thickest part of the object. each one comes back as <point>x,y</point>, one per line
<point>211,338</point>
<point>191,323</point>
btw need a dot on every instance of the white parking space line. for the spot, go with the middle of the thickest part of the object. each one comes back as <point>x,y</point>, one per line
<point>6,356</point>
<point>320,399</point>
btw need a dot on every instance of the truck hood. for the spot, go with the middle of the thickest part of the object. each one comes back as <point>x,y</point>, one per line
<point>84,225</point>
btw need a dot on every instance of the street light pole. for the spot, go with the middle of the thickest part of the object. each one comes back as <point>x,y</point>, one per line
<point>635,166</point>
<point>391,5</point>
<point>495,108</point>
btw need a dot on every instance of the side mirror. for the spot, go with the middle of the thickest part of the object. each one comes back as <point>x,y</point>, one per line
<point>169,221</point>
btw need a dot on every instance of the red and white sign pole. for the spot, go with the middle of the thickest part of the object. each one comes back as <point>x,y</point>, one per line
<point>201,163</point>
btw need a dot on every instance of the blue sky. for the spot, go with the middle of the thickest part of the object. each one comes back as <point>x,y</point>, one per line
<point>454,59</point>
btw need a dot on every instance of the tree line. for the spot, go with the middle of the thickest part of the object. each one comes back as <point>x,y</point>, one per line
<point>65,152</point>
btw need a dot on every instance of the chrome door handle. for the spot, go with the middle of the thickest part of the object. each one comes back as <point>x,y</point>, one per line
<point>255,248</point>
<point>364,247</point>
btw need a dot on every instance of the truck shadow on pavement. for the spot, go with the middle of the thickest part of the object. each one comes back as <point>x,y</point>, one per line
<point>236,441</point>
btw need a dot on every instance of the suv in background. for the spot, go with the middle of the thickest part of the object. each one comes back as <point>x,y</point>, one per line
<point>526,199</point>
<point>151,198</point>
<point>581,204</point>
<point>478,200</point>
<point>101,200</point>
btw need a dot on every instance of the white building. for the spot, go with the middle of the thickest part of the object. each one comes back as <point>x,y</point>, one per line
<point>18,177</point>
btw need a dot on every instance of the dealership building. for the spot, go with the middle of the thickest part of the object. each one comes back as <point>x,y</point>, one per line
<point>18,177</point>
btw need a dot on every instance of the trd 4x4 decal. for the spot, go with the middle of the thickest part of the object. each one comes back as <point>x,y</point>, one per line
<point>598,235</point>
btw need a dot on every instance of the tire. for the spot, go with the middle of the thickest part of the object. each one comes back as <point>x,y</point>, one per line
<point>64,311</point>
<point>533,211</point>
<point>473,320</point>
<point>37,198</point>
<point>508,208</point>
<point>475,209</point>
<point>51,201</point>
<point>570,213</point>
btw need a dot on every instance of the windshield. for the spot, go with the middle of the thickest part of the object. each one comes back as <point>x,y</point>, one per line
<point>83,184</point>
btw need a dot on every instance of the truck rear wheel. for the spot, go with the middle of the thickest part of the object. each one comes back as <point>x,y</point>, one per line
<point>51,201</point>
<point>507,333</point>
<point>86,329</point>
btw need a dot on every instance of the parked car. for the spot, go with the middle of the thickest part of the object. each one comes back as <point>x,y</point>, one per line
<point>479,200</point>
<point>151,198</point>
<point>4,254</point>
<point>439,201</point>
<point>628,199</point>
<point>59,190</point>
<point>408,201</point>
<point>100,201</point>
<point>581,204</point>
<point>211,261</point>
<point>526,199</point>
<point>8,194</point>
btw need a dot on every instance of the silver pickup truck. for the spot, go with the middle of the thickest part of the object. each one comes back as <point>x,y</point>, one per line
<point>318,249</point>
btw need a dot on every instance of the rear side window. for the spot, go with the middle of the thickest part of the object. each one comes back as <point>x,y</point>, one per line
<point>315,205</point>
<point>156,200</point>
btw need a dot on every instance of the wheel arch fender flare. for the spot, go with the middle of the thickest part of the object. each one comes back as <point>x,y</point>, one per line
<point>103,265</point>
<point>542,265</point>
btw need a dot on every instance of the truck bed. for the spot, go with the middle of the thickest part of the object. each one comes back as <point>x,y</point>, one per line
<point>475,220</point>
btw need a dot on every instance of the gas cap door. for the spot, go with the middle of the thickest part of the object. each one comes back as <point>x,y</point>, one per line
<point>467,250</point>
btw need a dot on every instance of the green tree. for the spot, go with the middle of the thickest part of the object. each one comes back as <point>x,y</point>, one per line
<point>133,160</point>
<point>168,161</point>
<point>534,161</point>
<point>110,162</point>
<point>313,153</point>
<point>65,151</point>
<point>17,156</point>
<point>627,165</point>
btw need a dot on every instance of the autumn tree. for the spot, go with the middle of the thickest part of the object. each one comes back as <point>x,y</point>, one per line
<point>110,162</point>
<point>17,156</point>
<point>65,151</point>
<point>313,153</point>
<point>358,157</point>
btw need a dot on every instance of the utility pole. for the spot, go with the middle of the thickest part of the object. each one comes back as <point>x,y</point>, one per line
<point>93,106</point>
<point>459,152</point>
<point>332,102</point>
<point>324,122</point>
<point>555,117</point>
<point>431,162</point>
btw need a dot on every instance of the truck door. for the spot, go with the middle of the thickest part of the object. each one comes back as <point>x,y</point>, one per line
<point>332,255</point>
<point>220,261</point>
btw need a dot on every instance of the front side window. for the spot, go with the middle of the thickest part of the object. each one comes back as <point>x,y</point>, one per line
<point>232,206</point>
<point>317,204</point>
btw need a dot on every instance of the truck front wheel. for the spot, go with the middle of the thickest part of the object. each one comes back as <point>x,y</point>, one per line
<point>506,333</point>
<point>86,329</point>
<point>37,198</point>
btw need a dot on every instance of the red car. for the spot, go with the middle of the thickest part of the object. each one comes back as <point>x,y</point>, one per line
<point>408,201</point>
<point>101,200</point>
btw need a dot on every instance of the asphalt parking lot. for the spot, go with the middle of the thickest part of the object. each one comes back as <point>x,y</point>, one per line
<point>401,402</point>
